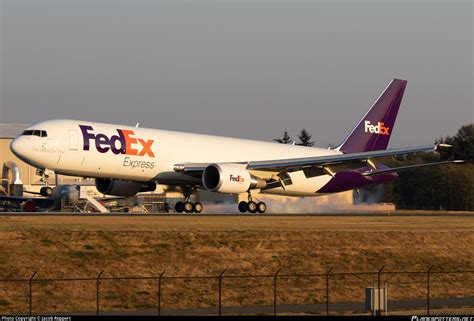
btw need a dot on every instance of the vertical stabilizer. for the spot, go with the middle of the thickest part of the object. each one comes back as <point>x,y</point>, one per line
<point>374,129</point>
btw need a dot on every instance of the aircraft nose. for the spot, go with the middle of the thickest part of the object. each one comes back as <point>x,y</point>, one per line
<point>18,147</point>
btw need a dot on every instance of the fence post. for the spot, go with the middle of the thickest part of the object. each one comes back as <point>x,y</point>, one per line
<point>373,299</point>
<point>97,292</point>
<point>31,292</point>
<point>220,292</point>
<point>378,286</point>
<point>428,290</point>
<point>275,292</point>
<point>159,292</point>
<point>327,290</point>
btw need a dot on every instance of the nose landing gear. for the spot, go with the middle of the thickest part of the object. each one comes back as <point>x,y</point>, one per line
<point>45,191</point>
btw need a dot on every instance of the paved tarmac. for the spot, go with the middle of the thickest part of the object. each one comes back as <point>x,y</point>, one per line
<point>338,214</point>
<point>358,307</point>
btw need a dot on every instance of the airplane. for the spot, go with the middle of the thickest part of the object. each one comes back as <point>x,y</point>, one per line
<point>128,160</point>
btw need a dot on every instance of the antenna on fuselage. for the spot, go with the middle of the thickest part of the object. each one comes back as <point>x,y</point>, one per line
<point>138,124</point>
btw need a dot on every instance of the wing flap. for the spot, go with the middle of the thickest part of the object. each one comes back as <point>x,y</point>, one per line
<point>403,168</point>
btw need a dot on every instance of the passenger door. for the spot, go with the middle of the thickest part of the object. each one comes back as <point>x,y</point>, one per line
<point>73,139</point>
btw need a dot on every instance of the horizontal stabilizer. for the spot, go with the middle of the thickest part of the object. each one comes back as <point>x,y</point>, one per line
<point>403,168</point>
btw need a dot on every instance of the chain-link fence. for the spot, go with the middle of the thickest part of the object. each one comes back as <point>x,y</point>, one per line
<point>330,293</point>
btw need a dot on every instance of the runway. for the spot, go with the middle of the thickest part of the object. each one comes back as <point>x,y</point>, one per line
<point>239,215</point>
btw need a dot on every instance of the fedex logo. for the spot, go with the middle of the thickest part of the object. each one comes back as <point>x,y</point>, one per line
<point>238,178</point>
<point>124,142</point>
<point>376,129</point>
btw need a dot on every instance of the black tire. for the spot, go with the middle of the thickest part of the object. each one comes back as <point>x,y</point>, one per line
<point>197,207</point>
<point>261,207</point>
<point>188,207</point>
<point>252,207</point>
<point>179,207</point>
<point>46,191</point>
<point>49,191</point>
<point>243,207</point>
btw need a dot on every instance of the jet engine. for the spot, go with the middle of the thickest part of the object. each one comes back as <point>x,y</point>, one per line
<point>122,188</point>
<point>229,178</point>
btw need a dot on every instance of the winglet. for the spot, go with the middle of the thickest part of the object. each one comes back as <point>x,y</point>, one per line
<point>439,146</point>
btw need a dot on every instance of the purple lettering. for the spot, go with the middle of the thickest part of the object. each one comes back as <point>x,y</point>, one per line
<point>100,140</point>
<point>113,143</point>
<point>118,144</point>
<point>86,135</point>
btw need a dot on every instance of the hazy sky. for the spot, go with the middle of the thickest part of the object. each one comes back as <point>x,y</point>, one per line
<point>248,69</point>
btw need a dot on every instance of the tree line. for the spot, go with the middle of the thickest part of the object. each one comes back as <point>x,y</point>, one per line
<point>304,139</point>
<point>444,187</point>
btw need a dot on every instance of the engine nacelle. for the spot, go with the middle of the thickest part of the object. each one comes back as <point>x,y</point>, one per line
<point>227,178</point>
<point>122,188</point>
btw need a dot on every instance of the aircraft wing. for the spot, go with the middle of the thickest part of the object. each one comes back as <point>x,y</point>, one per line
<point>328,164</point>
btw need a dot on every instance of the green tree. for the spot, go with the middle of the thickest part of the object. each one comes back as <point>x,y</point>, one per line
<point>449,187</point>
<point>305,139</point>
<point>462,142</point>
<point>286,139</point>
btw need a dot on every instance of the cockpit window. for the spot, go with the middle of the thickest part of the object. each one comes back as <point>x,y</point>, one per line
<point>39,133</point>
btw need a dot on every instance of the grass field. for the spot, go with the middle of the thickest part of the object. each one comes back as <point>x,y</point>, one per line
<point>187,246</point>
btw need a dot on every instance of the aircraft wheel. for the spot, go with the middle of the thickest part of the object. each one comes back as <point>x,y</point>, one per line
<point>243,207</point>
<point>197,207</point>
<point>261,207</point>
<point>46,191</point>
<point>188,207</point>
<point>179,207</point>
<point>252,207</point>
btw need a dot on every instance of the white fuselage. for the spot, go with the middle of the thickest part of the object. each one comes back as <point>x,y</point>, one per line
<point>139,154</point>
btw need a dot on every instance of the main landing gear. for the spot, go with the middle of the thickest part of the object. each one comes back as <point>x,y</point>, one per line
<point>252,207</point>
<point>187,206</point>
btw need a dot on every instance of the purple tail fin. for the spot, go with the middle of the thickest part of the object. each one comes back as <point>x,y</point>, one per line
<point>374,129</point>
